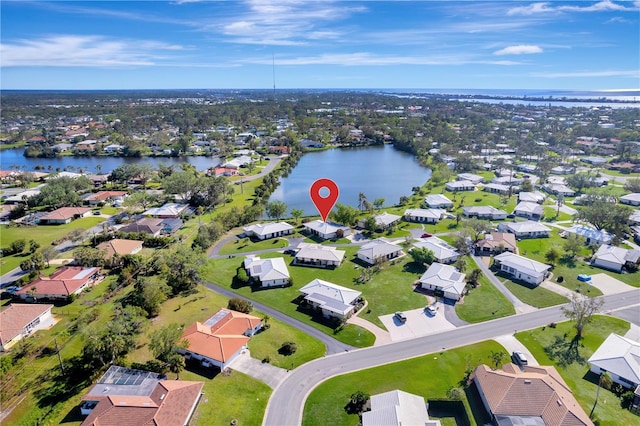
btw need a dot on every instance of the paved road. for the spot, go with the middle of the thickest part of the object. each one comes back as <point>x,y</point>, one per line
<point>631,314</point>
<point>287,401</point>
<point>11,276</point>
<point>333,346</point>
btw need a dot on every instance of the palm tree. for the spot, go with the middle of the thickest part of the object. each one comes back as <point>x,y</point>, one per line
<point>362,198</point>
<point>604,381</point>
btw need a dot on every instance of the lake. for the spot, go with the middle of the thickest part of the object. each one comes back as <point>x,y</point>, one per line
<point>378,172</point>
<point>14,157</point>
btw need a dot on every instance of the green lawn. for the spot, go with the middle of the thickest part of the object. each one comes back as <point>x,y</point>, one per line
<point>484,302</point>
<point>537,296</point>
<point>582,383</point>
<point>246,245</point>
<point>430,376</point>
<point>42,234</point>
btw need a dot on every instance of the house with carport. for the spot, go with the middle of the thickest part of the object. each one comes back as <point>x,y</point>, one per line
<point>438,201</point>
<point>496,243</point>
<point>444,280</point>
<point>532,197</point>
<point>632,199</point>
<point>424,215</point>
<point>484,212</point>
<point>615,258</point>
<point>497,188</point>
<point>19,320</point>
<point>120,247</point>
<point>383,221</point>
<point>533,211</point>
<point>265,231</point>
<point>318,255</point>
<point>332,300</point>
<point>443,252</point>
<point>521,268</point>
<point>460,185</point>
<point>620,357</point>
<point>326,230</point>
<point>527,229</point>
<point>267,272</point>
<point>378,251</point>
<point>65,282</point>
<point>63,215</point>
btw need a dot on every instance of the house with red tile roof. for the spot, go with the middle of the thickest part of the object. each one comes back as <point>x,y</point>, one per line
<point>135,397</point>
<point>120,247</point>
<point>63,283</point>
<point>19,320</point>
<point>533,396</point>
<point>64,215</point>
<point>221,338</point>
<point>103,196</point>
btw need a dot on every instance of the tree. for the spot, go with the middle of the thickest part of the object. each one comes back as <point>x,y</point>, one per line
<point>288,348</point>
<point>240,305</point>
<point>149,295</point>
<point>404,200</point>
<point>572,245</point>
<point>297,214</point>
<point>139,201</point>
<point>345,214</point>
<point>455,394</point>
<point>87,256</point>
<point>526,185</point>
<point>632,185</point>
<point>17,246</point>
<point>181,269</point>
<point>461,264</point>
<point>176,364</point>
<point>49,253</point>
<point>361,200</point>
<point>33,246</point>
<point>276,209</point>
<point>165,342</point>
<point>602,214</point>
<point>474,276</point>
<point>581,181</point>
<point>34,263</point>
<point>497,358</point>
<point>358,402</point>
<point>378,203</point>
<point>478,227</point>
<point>370,224</point>
<point>422,255</point>
<point>552,255</point>
<point>185,184</point>
<point>604,381</point>
<point>581,310</point>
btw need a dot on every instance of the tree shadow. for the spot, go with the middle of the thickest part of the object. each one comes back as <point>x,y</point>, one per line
<point>413,267</point>
<point>73,416</point>
<point>568,261</point>
<point>565,352</point>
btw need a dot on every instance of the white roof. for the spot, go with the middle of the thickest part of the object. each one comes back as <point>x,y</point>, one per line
<point>483,210</point>
<point>268,228</point>
<point>445,277</point>
<point>526,226</point>
<point>497,186</point>
<point>533,197</point>
<point>435,200</point>
<point>432,213</point>
<point>386,219</point>
<point>460,184</point>
<point>320,252</point>
<point>171,209</point>
<point>620,356</point>
<point>329,296</point>
<point>324,227</point>
<point>631,197</point>
<point>397,408</point>
<point>266,269</point>
<point>525,206</point>
<point>611,254</point>
<point>470,176</point>
<point>378,247</point>
<point>440,248</point>
<point>594,234</point>
<point>522,264</point>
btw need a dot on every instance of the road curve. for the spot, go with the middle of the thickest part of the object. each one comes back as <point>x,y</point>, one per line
<point>286,404</point>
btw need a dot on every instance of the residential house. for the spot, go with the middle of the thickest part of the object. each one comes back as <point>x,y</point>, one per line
<point>484,212</point>
<point>634,217</point>
<point>332,300</point>
<point>497,242</point>
<point>438,201</point>
<point>62,284</point>
<point>267,272</point>
<point>475,179</point>
<point>383,221</point>
<point>120,247</point>
<point>62,147</point>
<point>397,408</point>
<point>527,229</point>
<point>220,339</point>
<point>497,188</point>
<point>460,185</point>
<point>527,396</point>
<point>443,252</point>
<point>326,230</point>
<point>113,148</point>
<point>532,197</point>
<point>318,255</point>
<point>620,357</point>
<point>279,150</point>
<point>522,268</point>
<point>508,180</point>
<point>64,215</point>
<point>378,251</point>
<point>125,396</point>
<point>104,196</point>
<point>562,170</point>
<point>5,211</point>
<point>98,180</point>
<point>559,189</point>
<point>632,199</point>
<point>151,226</point>
<point>444,280</point>
<point>615,258</point>
<point>225,171</point>
<point>170,210</point>
<point>594,161</point>
<point>590,235</point>
<point>527,168</point>
<point>264,231</point>
<point>238,162</point>
<point>19,320</point>
<point>424,215</point>
<point>533,211</point>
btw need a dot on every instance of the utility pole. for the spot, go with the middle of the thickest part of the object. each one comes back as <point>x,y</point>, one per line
<point>59,357</point>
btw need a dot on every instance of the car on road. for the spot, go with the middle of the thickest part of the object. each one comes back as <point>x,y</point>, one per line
<point>431,311</point>
<point>97,213</point>
<point>511,216</point>
<point>426,235</point>
<point>400,316</point>
<point>584,277</point>
<point>519,358</point>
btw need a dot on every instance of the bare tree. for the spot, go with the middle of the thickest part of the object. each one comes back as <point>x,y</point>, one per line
<point>581,310</point>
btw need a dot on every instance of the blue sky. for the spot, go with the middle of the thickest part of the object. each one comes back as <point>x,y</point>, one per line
<point>584,45</point>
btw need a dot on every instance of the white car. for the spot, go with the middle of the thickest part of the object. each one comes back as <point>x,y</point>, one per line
<point>431,310</point>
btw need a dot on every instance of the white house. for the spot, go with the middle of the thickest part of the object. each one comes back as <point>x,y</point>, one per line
<point>508,180</point>
<point>383,221</point>
<point>522,268</point>
<point>327,230</point>
<point>331,299</point>
<point>620,357</point>
<point>169,210</point>
<point>443,252</point>
<point>397,408</point>
<point>497,188</point>
<point>475,179</point>
<point>559,189</point>
<point>378,251</point>
<point>590,235</point>
<point>444,280</point>
<point>614,258</point>
<point>631,199</point>
<point>527,229</point>
<point>532,197</point>
<point>19,320</point>
<point>264,231</point>
<point>318,255</point>
<point>424,215</point>
<point>438,201</point>
<point>484,212</point>
<point>532,211</point>
<point>268,272</point>
<point>460,185</point>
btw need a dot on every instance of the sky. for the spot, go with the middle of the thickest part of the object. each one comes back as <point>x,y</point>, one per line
<point>184,44</point>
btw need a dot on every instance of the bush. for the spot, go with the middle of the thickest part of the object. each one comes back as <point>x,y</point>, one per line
<point>288,348</point>
<point>240,305</point>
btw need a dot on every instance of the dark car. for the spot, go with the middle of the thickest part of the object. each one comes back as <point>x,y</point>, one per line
<point>401,316</point>
<point>511,216</point>
<point>426,235</point>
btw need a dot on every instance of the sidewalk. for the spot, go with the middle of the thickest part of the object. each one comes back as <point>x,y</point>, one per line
<point>382,336</point>
<point>264,372</point>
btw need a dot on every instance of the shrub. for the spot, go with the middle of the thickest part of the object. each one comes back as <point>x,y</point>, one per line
<point>288,348</point>
<point>240,305</point>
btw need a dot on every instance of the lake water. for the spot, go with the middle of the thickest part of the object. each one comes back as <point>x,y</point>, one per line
<point>378,172</point>
<point>14,157</point>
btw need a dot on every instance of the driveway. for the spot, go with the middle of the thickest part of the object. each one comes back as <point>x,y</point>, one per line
<point>418,324</point>
<point>608,284</point>
<point>264,372</point>
<point>511,344</point>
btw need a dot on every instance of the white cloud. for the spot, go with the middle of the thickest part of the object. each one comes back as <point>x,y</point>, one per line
<point>520,49</point>
<point>548,7</point>
<point>83,51</point>
<point>609,73</point>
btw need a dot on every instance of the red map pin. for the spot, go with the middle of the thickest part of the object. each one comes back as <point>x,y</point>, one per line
<point>324,204</point>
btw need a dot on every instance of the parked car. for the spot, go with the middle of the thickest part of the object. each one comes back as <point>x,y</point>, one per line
<point>584,277</point>
<point>400,316</point>
<point>519,358</point>
<point>426,235</point>
<point>431,310</point>
<point>511,216</point>
<point>12,289</point>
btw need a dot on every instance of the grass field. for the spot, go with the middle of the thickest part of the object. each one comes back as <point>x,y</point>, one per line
<point>582,383</point>
<point>42,234</point>
<point>484,302</point>
<point>536,296</point>
<point>430,376</point>
<point>243,245</point>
